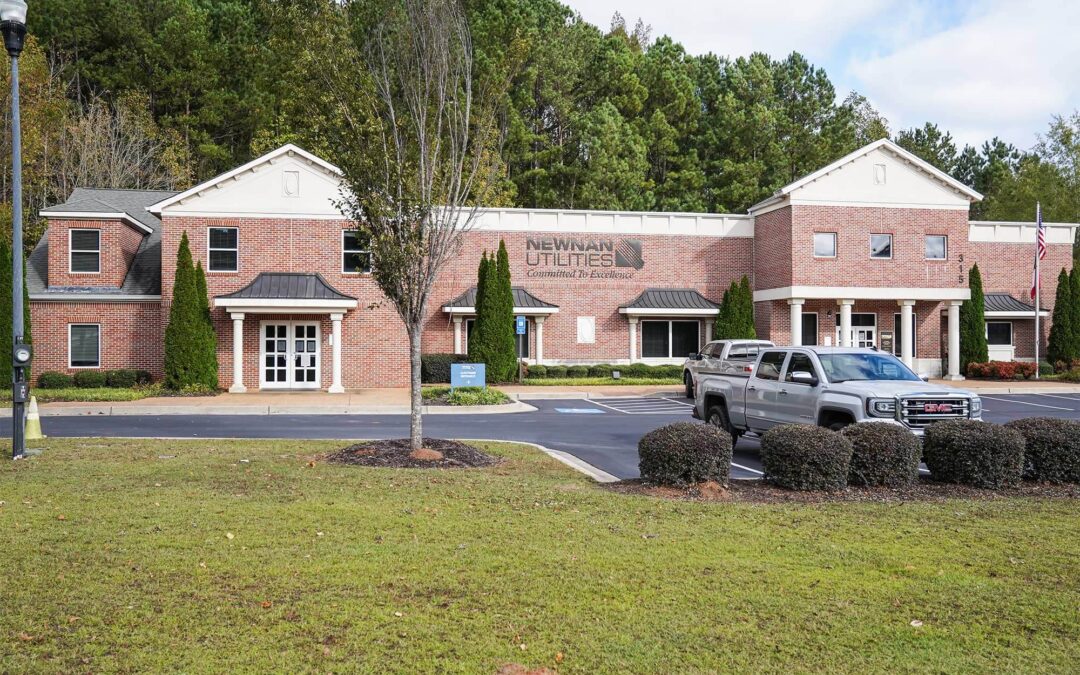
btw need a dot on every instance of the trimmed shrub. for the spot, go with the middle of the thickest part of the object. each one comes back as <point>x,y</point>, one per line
<point>1002,370</point>
<point>435,368</point>
<point>556,372</point>
<point>89,379</point>
<point>684,453</point>
<point>806,457</point>
<point>884,454</point>
<point>1051,448</point>
<point>124,378</point>
<point>539,372</point>
<point>636,370</point>
<point>476,396</point>
<point>667,371</point>
<point>54,380</point>
<point>600,370</point>
<point>974,453</point>
<point>577,371</point>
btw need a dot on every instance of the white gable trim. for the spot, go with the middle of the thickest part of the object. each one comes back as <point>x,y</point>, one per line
<point>884,144</point>
<point>286,150</point>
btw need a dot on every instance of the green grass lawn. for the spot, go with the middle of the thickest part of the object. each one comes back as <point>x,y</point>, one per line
<point>88,395</point>
<point>587,381</point>
<point>237,556</point>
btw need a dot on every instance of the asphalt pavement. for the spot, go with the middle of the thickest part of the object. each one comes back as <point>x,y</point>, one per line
<point>601,432</point>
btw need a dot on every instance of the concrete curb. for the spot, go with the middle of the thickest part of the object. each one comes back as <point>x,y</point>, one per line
<point>108,409</point>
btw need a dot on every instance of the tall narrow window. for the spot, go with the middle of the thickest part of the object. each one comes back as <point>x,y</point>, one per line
<point>85,247</point>
<point>223,247</point>
<point>84,345</point>
<point>355,253</point>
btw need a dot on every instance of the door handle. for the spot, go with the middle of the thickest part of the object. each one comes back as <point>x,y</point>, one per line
<point>751,388</point>
<point>782,392</point>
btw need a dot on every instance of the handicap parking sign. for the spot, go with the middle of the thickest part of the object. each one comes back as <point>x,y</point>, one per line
<point>519,325</point>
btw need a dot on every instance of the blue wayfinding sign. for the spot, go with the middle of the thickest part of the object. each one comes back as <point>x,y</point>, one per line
<point>519,325</point>
<point>467,375</point>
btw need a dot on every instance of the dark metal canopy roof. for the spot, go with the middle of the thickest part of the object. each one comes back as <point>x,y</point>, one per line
<point>671,298</point>
<point>522,298</point>
<point>1003,302</point>
<point>288,286</point>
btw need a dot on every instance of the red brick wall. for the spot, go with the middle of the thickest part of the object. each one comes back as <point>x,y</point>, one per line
<point>119,244</point>
<point>773,249</point>
<point>130,334</point>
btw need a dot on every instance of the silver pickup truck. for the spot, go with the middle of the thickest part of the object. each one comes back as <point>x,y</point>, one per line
<point>828,386</point>
<point>723,356</point>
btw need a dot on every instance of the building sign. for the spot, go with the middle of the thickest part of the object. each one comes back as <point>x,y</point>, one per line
<point>583,258</point>
<point>467,375</point>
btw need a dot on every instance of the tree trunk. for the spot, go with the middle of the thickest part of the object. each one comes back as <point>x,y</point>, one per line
<point>416,432</point>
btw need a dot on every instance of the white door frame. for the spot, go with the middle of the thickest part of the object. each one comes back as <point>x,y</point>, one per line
<point>855,330</point>
<point>290,354</point>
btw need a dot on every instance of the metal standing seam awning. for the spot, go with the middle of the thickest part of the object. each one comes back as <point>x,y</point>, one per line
<point>1005,306</point>
<point>287,293</point>
<point>525,304</point>
<point>670,302</point>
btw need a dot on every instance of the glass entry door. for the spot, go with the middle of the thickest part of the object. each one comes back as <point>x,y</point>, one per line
<point>863,330</point>
<point>289,356</point>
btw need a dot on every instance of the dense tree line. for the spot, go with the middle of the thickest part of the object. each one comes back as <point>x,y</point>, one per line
<point>602,119</point>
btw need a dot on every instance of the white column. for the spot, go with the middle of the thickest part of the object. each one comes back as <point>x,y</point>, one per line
<point>335,370</point>
<point>708,329</point>
<point>633,338</point>
<point>907,332</point>
<point>457,334</point>
<point>237,354</point>
<point>539,321</point>
<point>954,341</point>
<point>796,305</point>
<point>845,322</point>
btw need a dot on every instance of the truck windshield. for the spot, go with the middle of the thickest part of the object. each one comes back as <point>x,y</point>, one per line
<point>845,367</point>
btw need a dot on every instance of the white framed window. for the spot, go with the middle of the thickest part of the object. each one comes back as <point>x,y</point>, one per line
<point>824,244</point>
<point>84,345</point>
<point>937,247</point>
<point>355,253</point>
<point>881,246</point>
<point>669,339</point>
<point>586,330</point>
<point>999,333</point>
<point>84,251</point>
<point>898,337</point>
<point>223,245</point>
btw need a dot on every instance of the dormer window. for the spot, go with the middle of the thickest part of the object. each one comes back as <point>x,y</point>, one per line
<point>85,251</point>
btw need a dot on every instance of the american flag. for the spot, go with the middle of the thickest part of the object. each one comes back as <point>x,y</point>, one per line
<point>1040,242</point>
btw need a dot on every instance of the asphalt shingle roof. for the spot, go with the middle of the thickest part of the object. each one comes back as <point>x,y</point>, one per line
<point>670,298</point>
<point>522,298</point>
<point>144,276</point>
<point>288,286</point>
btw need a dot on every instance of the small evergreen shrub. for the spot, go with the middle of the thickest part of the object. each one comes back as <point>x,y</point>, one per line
<point>476,396</point>
<point>974,453</point>
<point>54,380</point>
<point>600,370</point>
<point>539,372</point>
<point>435,368</point>
<point>667,371</point>
<point>89,379</point>
<point>1002,370</point>
<point>684,453</point>
<point>556,372</point>
<point>124,378</point>
<point>884,454</point>
<point>1051,448</point>
<point>636,370</point>
<point>577,371</point>
<point>806,457</point>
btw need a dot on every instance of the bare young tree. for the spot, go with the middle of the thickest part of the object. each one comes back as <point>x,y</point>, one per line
<point>420,149</point>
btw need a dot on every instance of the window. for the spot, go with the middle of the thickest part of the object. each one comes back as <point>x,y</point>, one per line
<point>84,345</point>
<point>937,247</point>
<point>824,244</point>
<point>799,363</point>
<point>769,365</point>
<point>222,245</point>
<point>355,253</point>
<point>898,339</point>
<point>668,339</point>
<point>809,329</point>
<point>881,246</point>
<point>999,333</point>
<point>586,330</point>
<point>85,251</point>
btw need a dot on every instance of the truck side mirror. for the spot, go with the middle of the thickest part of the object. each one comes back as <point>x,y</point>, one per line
<point>803,377</point>
<point>695,356</point>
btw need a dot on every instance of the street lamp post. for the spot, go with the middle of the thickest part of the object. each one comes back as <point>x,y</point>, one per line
<point>13,27</point>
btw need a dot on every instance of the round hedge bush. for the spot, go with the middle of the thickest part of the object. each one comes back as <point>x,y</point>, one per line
<point>538,372</point>
<point>556,371</point>
<point>600,370</point>
<point>884,454</point>
<point>1051,448</point>
<point>806,457</point>
<point>53,380</point>
<point>89,379</point>
<point>969,452</point>
<point>684,453</point>
<point>577,371</point>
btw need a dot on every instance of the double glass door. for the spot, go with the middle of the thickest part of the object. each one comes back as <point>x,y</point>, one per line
<point>289,356</point>
<point>863,330</point>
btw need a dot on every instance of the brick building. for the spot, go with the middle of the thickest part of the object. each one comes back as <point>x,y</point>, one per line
<point>871,250</point>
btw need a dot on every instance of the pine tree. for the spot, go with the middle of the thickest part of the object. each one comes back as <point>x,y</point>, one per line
<point>185,335</point>
<point>1074,311</point>
<point>722,327</point>
<point>207,334</point>
<point>477,353</point>
<point>747,331</point>
<point>504,344</point>
<point>973,324</point>
<point>1059,346</point>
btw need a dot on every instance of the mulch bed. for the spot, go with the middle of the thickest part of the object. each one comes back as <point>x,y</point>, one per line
<point>762,492</point>
<point>396,453</point>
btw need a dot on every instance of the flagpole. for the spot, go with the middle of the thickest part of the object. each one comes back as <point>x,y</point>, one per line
<point>1038,286</point>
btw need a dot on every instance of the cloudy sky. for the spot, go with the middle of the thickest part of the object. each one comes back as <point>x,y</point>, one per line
<point>977,68</point>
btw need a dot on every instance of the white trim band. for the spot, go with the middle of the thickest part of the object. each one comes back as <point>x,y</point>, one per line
<point>861,293</point>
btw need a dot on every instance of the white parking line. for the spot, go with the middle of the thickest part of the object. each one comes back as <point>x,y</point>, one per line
<point>1066,398</point>
<point>1037,405</point>
<point>688,405</point>
<point>746,468</point>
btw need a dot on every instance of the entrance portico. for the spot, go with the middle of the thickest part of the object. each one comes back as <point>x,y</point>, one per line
<point>462,312</point>
<point>290,348</point>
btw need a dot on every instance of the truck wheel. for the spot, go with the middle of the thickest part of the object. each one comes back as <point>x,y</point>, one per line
<point>688,381</point>
<point>718,417</point>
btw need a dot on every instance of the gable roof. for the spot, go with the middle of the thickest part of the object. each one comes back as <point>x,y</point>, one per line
<point>286,150</point>
<point>883,144</point>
